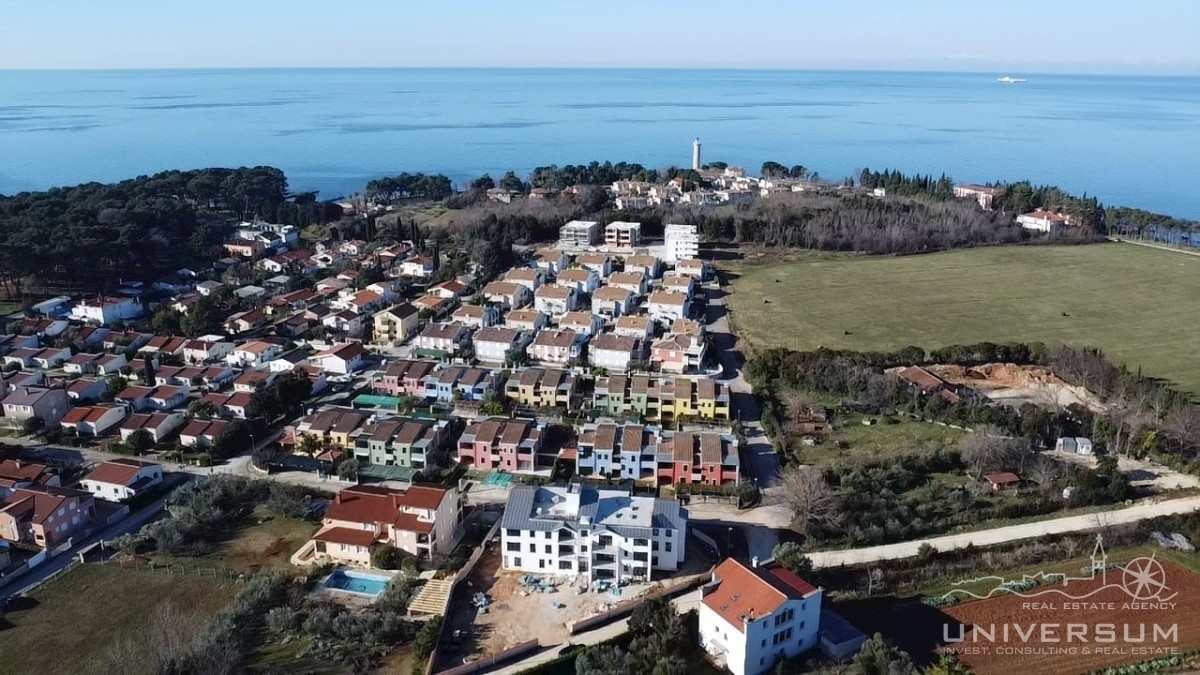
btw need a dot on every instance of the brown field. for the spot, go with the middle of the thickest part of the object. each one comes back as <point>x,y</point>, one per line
<point>1112,605</point>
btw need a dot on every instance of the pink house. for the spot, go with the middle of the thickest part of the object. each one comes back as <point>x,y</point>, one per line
<point>501,445</point>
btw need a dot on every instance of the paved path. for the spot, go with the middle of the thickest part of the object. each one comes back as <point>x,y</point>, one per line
<point>1161,247</point>
<point>1008,533</point>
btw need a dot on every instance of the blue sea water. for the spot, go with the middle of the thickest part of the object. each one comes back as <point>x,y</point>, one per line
<point>1127,140</point>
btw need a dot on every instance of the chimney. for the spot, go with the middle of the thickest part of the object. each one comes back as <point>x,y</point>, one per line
<point>754,561</point>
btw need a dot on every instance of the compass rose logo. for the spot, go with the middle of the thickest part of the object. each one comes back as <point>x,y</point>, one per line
<point>1145,579</point>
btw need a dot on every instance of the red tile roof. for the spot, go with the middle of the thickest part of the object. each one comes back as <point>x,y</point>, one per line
<point>346,535</point>
<point>753,592</point>
<point>118,471</point>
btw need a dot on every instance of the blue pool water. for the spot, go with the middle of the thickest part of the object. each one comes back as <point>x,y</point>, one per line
<point>357,582</point>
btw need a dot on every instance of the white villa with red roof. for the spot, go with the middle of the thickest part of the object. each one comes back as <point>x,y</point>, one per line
<point>753,615</point>
<point>122,478</point>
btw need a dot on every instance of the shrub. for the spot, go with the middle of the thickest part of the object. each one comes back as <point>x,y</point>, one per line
<point>386,557</point>
<point>424,644</point>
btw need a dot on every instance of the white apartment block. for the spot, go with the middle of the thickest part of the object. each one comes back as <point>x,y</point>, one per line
<point>623,234</point>
<point>604,535</point>
<point>682,241</point>
<point>579,233</point>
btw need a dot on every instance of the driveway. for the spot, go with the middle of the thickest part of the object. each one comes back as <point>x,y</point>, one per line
<point>1001,535</point>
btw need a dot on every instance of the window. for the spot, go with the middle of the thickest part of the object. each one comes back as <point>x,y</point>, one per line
<point>654,546</point>
<point>549,548</point>
<point>513,546</point>
<point>516,562</point>
<point>541,564</point>
<point>668,547</point>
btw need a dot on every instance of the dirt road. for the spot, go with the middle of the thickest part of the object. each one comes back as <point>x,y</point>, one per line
<point>1009,533</point>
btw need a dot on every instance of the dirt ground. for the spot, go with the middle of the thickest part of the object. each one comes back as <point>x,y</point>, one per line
<point>513,618</point>
<point>1100,602</point>
<point>1142,474</point>
<point>1015,385</point>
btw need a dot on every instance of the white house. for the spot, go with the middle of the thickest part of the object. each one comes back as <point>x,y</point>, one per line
<point>614,352</point>
<point>556,300</point>
<point>493,343</point>
<point>106,309</point>
<point>441,339</point>
<point>752,616</point>
<point>582,322</point>
<point>529,277</point>
<point>614,301</point>
<point>508,294</point>
<point>526,319</point>
<point>1043,221</point>
<point>199,351</point>
<point>634,326</point>
<point>253,354</point>
<point>557,347</point>
<point>342,359</point>
<point>665,306</point>
<point>122,478</point>
<point>93,420</point>
<point>419,266</point>
<point>583,280</point>
<point>636,282</point>
<point>682,241</point>
<point>551,261</point>
<point>157,424</point>
<point>603,535</point>
<point>477,316</point>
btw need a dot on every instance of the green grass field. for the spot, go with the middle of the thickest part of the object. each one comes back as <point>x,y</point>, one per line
<point>1140,305</point>
<point>74,620</point>
<point>855,442</point>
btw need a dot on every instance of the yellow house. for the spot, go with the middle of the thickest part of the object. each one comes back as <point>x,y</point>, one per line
<point>395,325</point>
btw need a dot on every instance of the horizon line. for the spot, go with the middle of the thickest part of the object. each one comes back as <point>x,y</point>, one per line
<point>748,68</point>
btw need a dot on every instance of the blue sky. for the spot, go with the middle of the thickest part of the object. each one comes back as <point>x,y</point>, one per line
<point>1096,36</point>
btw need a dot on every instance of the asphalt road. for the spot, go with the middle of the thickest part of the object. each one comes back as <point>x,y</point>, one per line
<point>37,575</point>
<point>1001,535</point>
<point>762,463</point>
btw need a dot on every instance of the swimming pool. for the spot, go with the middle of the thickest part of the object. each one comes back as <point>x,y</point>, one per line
<point>359,583</point>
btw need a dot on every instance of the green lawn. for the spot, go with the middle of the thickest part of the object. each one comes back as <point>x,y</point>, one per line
<point>71,622</point>
<point>853,441</point>
<point>1140,305</point>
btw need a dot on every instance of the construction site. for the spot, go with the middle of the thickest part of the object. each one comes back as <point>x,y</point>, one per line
<point>1015,385</point>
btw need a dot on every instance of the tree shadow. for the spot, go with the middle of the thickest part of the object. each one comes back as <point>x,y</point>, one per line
<point>910,624</point>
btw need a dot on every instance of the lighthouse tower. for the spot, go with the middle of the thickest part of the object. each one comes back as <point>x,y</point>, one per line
<point>696,155</point>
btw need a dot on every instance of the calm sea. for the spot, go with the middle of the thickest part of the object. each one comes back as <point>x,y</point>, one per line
<point>1128,140</point>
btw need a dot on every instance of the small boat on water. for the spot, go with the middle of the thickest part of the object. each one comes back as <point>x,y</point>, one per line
<point>1010,80</point>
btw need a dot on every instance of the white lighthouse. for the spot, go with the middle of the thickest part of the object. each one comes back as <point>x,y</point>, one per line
<point>696,155</point>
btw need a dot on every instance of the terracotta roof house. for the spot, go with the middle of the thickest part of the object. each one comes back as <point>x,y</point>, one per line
<point>123,478</point>
<point>422,521</point>
<point>753,615</point>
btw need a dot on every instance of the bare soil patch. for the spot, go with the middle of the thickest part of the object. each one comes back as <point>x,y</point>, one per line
<point>1015,385</point>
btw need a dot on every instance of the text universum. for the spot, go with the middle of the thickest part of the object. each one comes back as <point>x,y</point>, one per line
<point>1051,633</point>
